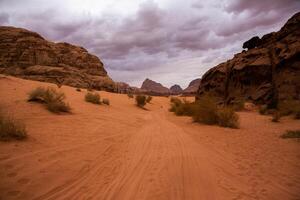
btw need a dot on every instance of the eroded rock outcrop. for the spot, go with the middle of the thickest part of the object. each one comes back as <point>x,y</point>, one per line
<point>28,55</point>
<point>154,88</point>
<point>191,90</point>
<point>266,74</point>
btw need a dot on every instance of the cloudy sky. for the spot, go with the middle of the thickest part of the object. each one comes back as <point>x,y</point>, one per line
<point>169,41</point>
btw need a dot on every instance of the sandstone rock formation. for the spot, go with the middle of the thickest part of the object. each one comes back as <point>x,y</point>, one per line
<point>28,55</point>
<point>176,89</point>
<point>191,90</point>
<point>154,88</point>
<point>266,74</point>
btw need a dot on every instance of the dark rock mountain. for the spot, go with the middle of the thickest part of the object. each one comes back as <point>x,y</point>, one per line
<point>268,72</point>
<point>191,90</point>
<point>176,89</point>
<point>28,55</point>
<point>154,88</point>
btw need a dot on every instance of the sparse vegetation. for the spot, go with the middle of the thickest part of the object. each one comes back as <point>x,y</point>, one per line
<point>148,99</point>
<point>106,102</point>
<point>140,100</point>
<point>92,98</point>
<point>130,95</point>
<point>53,99</point>
<point>238,105</point>
<point>291,134</point>
<point>11,129</point>
<point>228,118</point>
<point>284,108</point>
<point>205,111</point>
<point>181,108</point>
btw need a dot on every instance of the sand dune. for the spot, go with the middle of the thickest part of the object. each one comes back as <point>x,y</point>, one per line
<point>123,152</point>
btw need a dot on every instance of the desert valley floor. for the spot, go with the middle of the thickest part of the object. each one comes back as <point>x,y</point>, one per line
<point>124,152</point>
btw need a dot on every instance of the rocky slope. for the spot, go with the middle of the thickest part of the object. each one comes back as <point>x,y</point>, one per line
<point>268,72</point>
<point>176,89</point>
<point>154,88</point>
<point>191,90</point>
<point>28,55</point>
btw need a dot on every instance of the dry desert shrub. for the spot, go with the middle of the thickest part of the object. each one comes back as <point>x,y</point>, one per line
<point>130,95</point>
<point>106,102</point>
<point>53,99</point>
<point>148,99</point>
<point>228,118</point>
<point>92,98</point>
<point>291,134</point>
<point>181,108</point>
<point>140,100</point>
<point>206,111</point>
<point>11,129</point>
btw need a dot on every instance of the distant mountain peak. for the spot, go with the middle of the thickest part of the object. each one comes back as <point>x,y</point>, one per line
<point>154,88</point>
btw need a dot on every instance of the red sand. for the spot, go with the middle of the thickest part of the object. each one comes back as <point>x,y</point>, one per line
<point>123,152</point>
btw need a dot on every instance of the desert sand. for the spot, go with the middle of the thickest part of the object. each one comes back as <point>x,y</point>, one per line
<point>124,152</point>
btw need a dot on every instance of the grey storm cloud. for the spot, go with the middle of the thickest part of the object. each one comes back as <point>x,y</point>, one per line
<point>149,41</point>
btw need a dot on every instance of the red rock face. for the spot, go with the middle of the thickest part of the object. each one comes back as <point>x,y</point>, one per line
<point>191,90</point>
<point>154,88</point>
<point>267,73</point>
<point>28,55</point>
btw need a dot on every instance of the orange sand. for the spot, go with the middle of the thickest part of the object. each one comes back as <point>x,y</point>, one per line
<point>123,152</point>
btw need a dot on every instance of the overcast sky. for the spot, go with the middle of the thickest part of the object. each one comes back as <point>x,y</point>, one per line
<point>169,41</point>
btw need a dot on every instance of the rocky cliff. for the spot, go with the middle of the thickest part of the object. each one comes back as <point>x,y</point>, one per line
<point>176,89</point>
<point>28,55</point>
<point>268,72</point>
<point>154,88</point>
<point>191,90</point>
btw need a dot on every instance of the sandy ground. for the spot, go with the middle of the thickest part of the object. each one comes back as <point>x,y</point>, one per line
<point>123,152</point>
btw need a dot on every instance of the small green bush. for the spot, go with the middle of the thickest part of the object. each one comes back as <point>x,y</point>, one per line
<point>181,108</point>
<point>175,102</point>
<point>148,99</point>
<point>291,134</point>
<point>11,129</point>
<point>130,95</point>
<point>228,118</point>
<point>106,102</point>
<point>140,100</point>
<point>205,110</point>
<point>53,99</point>
<point>92,98</point>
